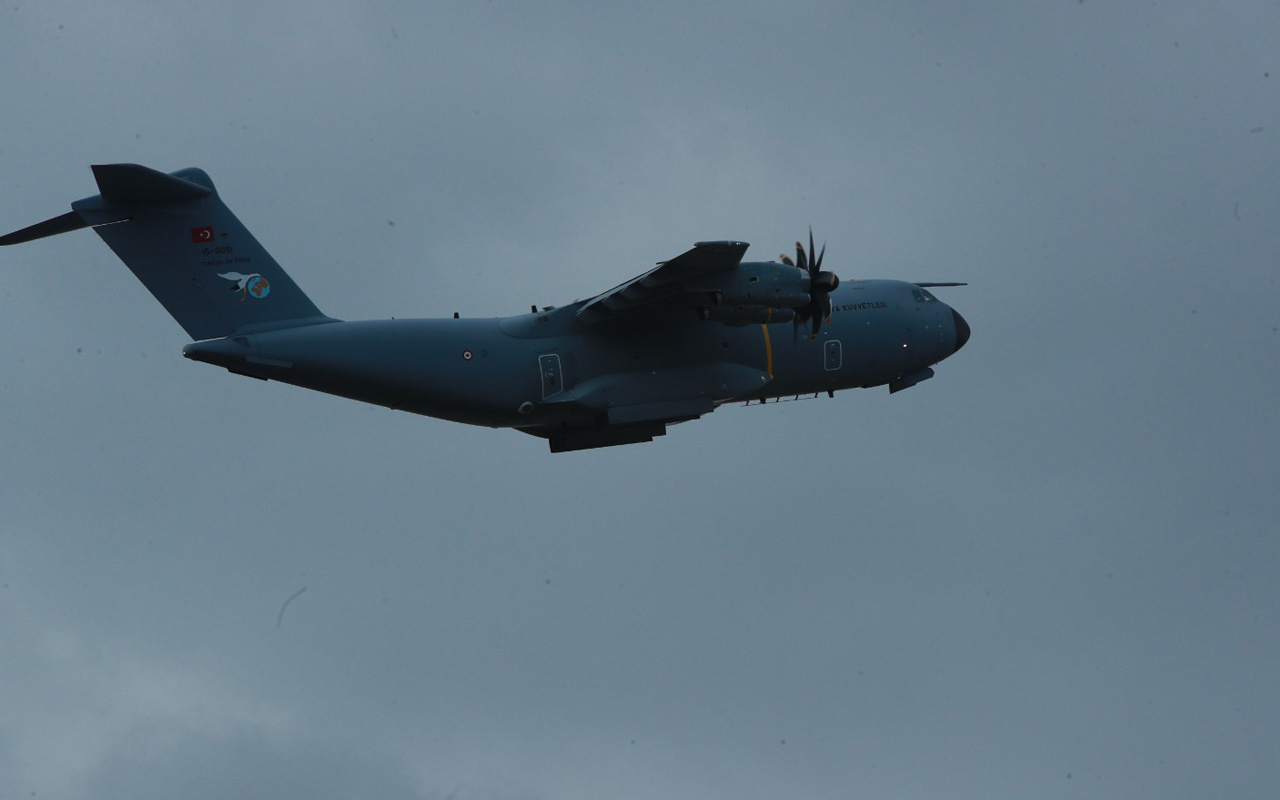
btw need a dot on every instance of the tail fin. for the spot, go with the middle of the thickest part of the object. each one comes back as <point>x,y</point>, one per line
<point>187,248</point>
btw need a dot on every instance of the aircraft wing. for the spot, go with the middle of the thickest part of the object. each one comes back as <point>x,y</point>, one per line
<point>666,286</point>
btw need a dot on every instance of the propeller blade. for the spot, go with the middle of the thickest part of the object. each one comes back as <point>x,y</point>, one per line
<point>821,284</point>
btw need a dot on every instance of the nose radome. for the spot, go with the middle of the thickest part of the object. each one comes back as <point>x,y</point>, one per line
<point>962,330</point>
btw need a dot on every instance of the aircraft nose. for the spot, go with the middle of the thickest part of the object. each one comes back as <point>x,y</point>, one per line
<point>962,331</point>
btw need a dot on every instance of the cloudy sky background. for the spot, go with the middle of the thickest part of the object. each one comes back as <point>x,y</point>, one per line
<point>1052,571</point>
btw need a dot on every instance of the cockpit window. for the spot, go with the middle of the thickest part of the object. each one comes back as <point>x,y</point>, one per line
<point>923,296</point>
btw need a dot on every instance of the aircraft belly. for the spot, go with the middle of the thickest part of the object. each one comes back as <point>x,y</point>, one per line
<point>439,368</point>
<point>644,377</point>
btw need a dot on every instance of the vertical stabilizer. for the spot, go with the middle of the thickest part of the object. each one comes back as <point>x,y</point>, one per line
<point>188,249</point>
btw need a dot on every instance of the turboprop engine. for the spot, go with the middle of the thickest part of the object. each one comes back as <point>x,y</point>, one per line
<point>756,293</point>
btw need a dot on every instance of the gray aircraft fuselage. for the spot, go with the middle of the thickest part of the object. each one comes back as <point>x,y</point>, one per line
<point>668,346</point>
<point>509,372</point>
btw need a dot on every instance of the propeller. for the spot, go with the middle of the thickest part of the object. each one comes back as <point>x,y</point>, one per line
<point>821,285</point>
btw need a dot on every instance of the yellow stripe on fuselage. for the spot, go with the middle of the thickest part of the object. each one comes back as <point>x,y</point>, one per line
<point>768,351</point>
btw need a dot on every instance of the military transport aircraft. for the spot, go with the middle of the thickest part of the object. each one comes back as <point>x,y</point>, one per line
<point>695,332</point>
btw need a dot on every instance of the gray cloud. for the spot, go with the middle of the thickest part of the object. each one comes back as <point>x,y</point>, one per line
<point>1050,571</point>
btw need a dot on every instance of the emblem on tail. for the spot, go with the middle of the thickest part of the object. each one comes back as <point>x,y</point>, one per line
<point>253,284</point>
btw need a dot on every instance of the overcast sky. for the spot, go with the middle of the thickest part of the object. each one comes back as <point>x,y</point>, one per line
<point>1052,571</point>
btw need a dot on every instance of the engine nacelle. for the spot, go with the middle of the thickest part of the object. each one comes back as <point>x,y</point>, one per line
<point>758,283</point>
<point>745,315</point>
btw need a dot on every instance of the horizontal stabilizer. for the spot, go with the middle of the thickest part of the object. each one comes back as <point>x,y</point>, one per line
<point>70,221</point>
<point>132,183</point>
<point>121,185</point>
